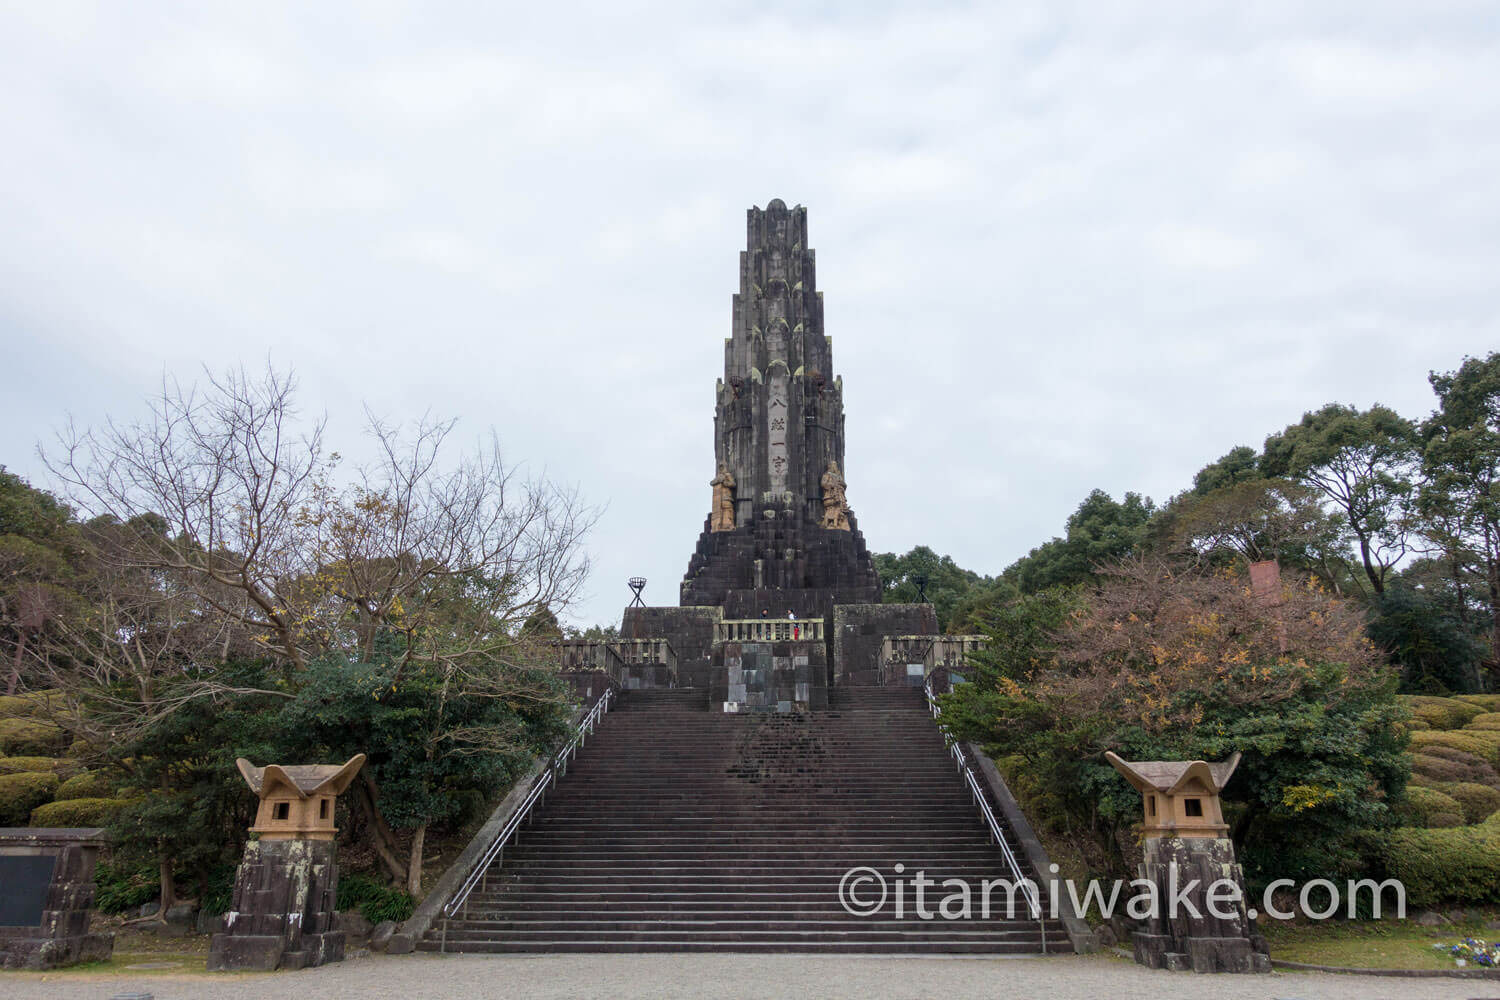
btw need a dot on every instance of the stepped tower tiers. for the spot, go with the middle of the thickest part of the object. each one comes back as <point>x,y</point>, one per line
<point>780,536</point>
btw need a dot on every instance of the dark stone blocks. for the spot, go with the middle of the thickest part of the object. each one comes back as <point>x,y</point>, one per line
<point>858,630</point>
<point>782,560</point>
<point>769,677</point>
<point>1193,936</point>
<point>283,915</point>
<point>689,630</point>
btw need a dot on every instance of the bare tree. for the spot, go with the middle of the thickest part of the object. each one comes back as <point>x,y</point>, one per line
<point>220,527</point>
<point>230,475</point>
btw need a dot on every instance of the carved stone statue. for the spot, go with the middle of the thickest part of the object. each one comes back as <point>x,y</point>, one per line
<point>835,503</point>
<point>722,518</point>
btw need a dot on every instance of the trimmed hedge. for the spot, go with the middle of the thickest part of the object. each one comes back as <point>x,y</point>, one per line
<point>30,737</point>
<point>1461,865</point>
<point>1480,743</point>
<point>15,706</point>
<point>26,765</point>
<point>1487,720</point>
<point>1488,702</point>
<point>1454,765</point>
<point>21,793</point>
<point>77,812</point>
<point>98,785</point>
<point>1479,801</point>
<point>1441,713</point>
<point>1428,807</point>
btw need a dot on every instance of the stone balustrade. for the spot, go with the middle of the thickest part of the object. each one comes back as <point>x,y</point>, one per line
<point>769,630</point>
<point>633,663</point>
<point>910,659</point>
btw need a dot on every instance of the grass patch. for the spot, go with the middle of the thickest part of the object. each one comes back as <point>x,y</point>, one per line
<point>1366,944</point>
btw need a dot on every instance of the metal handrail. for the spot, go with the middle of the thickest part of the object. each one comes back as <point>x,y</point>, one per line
<point>1028,887</point>
<point>556,767</point>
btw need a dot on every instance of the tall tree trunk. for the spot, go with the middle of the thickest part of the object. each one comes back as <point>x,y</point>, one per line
<point>1364,554</point>
<point>15,667</point>
<point>1456,564</point>
<point>382,838</point>
<point>414,866</point>
<point>1494,582</point>
<point>168,885</point>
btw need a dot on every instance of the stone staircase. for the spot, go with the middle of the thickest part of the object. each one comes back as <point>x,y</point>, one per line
<point>682,829</point>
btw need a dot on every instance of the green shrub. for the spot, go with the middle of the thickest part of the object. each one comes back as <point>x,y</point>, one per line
<point>123,885</point>
<point>1488,702</point>
<point>25,765</point>
<point>76,812</point>
<point>1416,725</point>
<point>375,902</point>
<point>88,785</point>
<point>30,737</point>
<point>1461,865</point>
<point>1479,801</point>
<point>1441,713</point>
<point>1428,807</point>
<point>395,905</point>
<point>1486,720</point>
<point>218,892</point>
<point>21,793</point>
<point>1480,743</point>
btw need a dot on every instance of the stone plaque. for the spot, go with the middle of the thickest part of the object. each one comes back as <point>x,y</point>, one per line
<point>26,879</point>
<point>776,418</point>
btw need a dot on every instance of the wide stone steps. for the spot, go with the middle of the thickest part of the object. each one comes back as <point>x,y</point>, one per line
<point>682,829</point>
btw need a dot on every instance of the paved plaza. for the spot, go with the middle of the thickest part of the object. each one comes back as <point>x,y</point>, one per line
<point>732,976</point>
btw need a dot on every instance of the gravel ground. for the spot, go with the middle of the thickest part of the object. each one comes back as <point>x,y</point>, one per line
<point>749,976</point>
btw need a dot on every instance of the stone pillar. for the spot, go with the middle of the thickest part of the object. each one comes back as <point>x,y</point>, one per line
<point>1205,943</point>
<point>283,912</point>
<point>283,915</point>
<point>46,895</point>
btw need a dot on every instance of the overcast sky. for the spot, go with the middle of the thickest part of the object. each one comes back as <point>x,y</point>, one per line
<point>1062,246</point>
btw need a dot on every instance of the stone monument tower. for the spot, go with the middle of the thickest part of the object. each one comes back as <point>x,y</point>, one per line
<point>780,536</point>
<point>781,600</point>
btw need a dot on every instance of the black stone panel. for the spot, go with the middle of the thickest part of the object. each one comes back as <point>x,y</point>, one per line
<point>27,879</point>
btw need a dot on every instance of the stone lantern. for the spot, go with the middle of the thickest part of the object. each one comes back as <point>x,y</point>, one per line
<point>1186,852</point>
<point>285,889</point>
<point>1179,799</point>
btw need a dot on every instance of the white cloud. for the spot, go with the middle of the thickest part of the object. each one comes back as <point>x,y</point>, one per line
<point>1063,245</point>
